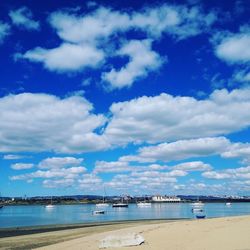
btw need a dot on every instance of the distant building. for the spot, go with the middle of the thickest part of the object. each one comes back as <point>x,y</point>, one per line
<point>160,198</point>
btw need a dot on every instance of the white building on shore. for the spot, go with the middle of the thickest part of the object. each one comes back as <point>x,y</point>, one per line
<point>160,198</point>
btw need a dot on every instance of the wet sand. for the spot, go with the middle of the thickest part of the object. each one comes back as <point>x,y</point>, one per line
<point>208,234</point>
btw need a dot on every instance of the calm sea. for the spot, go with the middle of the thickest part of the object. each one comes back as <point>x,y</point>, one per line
<point>17,216</point>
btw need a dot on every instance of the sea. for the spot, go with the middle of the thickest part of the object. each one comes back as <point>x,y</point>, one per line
<point>20,216</point>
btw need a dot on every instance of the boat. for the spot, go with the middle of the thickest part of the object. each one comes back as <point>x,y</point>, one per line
<point>49,206</point>
<point>143,204</point>
<point>119,205</point>
<point>228,204</point>
<point>195,210</point>
<point>103,204</point>
<point>200,216</point>
<point>170,199</point>
<point>197,204</point>
<point>1,206</point>
<point>96,212</point>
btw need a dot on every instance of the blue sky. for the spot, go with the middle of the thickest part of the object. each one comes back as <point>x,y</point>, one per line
<point>139,97</point>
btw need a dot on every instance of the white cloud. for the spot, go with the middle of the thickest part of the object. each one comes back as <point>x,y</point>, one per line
<point>14,157</point>
<point>87,39</point>
<point>234,48</point>
<point>167,118</point>
<point>41,122</point>
<point>238,150</point>
<point>193,166</point>
<point>55,171</point>
<point>67,173</point>
<point>21,166</point>
<point>58,183</point>
<point>180,150</point>
<point>90,182</point>
<point>4,31</point>
<point>23,17</point>
<point>59,162</point>
<point>112,167</point>
<point>230,173</point>
<point>66,57</point>
<point>242,76</point>
<point>142,61</point>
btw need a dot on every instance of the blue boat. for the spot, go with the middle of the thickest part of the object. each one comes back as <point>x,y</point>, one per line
<point>200,216</point>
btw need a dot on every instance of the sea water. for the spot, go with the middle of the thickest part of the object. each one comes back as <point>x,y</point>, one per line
<point>19,216</point>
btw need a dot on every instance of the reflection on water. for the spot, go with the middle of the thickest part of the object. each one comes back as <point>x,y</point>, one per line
<point>16,216</point>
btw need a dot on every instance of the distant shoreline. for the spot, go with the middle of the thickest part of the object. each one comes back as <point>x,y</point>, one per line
<point>133,202</point>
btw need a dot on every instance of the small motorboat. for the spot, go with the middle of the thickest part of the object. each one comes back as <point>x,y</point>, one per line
<point>228,204</point>
<point>200,216</point>
<point>197,210</point>
<point>96,212</point>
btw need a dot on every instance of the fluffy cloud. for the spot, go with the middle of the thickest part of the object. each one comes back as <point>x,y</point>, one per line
<point>238,150</point>
<point>67,57</point>
<point>180,150</point>
<point>177,20</point>
<point>56,171</point>
<point>21,166</point>
<point>13,157</point>
<point>4,31</point>
<point>22,17</point>
<point>41,122</point>
<point>87,40</point>
<point>112,167</point>
<point>193,166</point>
<point>234,48</point>
<point>142,61</point>
<point>167,118</point>
<point>60,162</point>
<point>231,173</point>
<point>90,182</point>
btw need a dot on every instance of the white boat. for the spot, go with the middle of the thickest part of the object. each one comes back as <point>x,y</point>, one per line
<point>96,212</point>
<point>197,204</point>
<point>102,204</point>
<point>50,205</point>
<point>143,204</point>
<point>228,204</point>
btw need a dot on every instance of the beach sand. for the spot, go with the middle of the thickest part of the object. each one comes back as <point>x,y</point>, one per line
<point>207,234</point>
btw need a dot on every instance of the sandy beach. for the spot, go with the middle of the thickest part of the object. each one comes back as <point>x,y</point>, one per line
<point>209,234</point>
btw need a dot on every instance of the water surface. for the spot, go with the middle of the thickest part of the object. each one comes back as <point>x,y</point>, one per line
<point>17,216</point>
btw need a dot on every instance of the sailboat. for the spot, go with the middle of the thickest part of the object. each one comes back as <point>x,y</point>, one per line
<point>103,204</point>
<point>50,205</point>
<point>144,203</point>
<point>121,204</point>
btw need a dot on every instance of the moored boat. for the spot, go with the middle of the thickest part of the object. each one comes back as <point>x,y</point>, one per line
<point>98,212</point>
<point>143,204</point>
<point>119,205</point>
